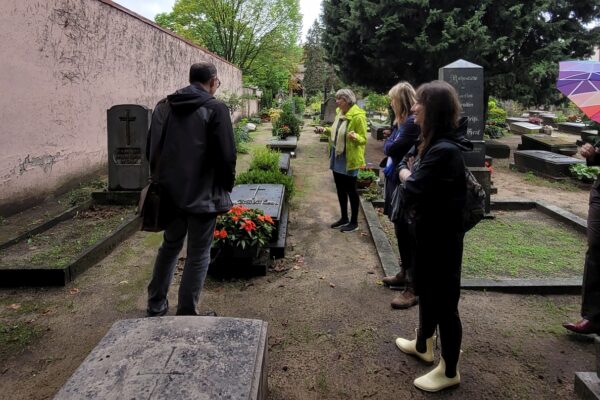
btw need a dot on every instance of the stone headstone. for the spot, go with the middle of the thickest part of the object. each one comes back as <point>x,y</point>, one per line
<point>175,358</point>
<point>288,144</point>
<point>329,111</point>
<point>377,130</point>
<point>545,163</point>
<point>251,127</point>
<point>548,143</point>
<point>512,120</point>
<point>467,79</point>
<point>127,132</point>
<point>524,128</point>
<point>571,127</point>
<point>266,197</point>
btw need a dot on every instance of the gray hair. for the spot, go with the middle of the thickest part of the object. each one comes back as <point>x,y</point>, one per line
<point>347,95</point>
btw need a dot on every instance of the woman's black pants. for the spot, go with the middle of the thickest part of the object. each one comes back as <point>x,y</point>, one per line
<point>437,280</point>
<point>346,189</point>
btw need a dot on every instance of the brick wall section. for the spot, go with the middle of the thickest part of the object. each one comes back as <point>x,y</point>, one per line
<point>64,63</point>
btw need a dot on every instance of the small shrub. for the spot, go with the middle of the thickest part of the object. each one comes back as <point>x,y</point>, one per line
<point>560,117</point>
<point>494,131</point>
<point>274,114</point>
<point>372,192</point>
<point>584,173</point>
<point>275,177</point>
<point>366,174</point>
<point>286,118</point>
<point>299,104</point>
<point>265,160</point>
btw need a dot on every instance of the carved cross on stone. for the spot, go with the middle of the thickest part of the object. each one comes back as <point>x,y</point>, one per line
<point>256,191</point>
<point>127,119</point>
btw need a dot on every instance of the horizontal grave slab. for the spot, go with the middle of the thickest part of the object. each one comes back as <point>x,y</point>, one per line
<point>545,163</point>
<point>175,358</point>
<point>548,143</point>
<point>571,127</point>
<point>524,128</point>
<point>270,198</point>
<point>284,145</point>
<point>58,254</point>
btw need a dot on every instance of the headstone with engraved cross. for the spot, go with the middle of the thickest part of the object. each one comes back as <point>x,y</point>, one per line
<point>128,168</point>
<point>175,358</point>
<point>266,197</point>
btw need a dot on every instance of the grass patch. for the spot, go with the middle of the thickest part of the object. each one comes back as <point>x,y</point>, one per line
<point>15,337</point>
<point>565,185</point>
<point>523,246</point>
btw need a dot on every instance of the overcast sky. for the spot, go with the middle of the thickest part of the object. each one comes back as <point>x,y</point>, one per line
<point>310,9</point>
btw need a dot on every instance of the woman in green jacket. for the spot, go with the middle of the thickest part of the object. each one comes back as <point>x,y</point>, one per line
<point>347,154</point>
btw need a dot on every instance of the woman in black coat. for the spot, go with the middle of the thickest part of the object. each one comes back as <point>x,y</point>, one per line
<point>433,175</point>
<point>402,138</point>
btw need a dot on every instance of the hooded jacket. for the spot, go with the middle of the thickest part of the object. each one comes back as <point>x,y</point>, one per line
<point>436,188</point>
<point>197,162</point>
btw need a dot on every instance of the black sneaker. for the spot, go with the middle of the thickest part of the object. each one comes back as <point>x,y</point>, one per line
<point>350,227</point>
<point>340,222</point>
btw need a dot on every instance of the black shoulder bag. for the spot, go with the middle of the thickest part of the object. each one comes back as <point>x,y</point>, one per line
<point>155,206</point>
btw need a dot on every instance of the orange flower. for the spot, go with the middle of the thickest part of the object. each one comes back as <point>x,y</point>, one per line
<point>248,225</point>
<point>268,219</point>
<point>217,234</point>
<point>222,234</point>
<point>238,210</point>
<point>235,218</point>
<point>261,218</point>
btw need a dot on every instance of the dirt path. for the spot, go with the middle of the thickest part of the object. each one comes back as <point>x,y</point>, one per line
<point>331,330</point>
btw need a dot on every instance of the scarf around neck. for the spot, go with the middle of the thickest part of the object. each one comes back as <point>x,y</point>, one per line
<point>341,124</point>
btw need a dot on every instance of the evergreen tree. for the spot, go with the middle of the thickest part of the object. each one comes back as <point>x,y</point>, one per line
<point>379,42</point>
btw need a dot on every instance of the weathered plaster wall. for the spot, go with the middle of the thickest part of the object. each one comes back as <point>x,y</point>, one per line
<point>64,63</point>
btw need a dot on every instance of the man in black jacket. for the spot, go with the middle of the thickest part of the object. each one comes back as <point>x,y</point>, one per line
<point>196,169</point>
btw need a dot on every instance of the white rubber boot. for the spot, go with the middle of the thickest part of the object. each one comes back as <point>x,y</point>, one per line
<point>410,347</point>
<point>436,379</point>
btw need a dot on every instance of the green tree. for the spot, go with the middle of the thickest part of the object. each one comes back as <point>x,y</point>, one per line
<point>259,36</point>
<point>319,74</point>
<point>519,44</point>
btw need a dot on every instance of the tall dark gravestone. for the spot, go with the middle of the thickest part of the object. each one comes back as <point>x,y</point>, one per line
<point>128,168</point>
<point>467,79</point>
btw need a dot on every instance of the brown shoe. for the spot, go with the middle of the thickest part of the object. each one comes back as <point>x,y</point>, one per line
<point>406,299</point>
<point>395,280</point>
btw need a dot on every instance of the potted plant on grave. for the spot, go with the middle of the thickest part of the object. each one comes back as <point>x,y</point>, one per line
<point>365,178</point>
<point>242,232</point>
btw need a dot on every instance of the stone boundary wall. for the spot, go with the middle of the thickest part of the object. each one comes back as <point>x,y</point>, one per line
<point>65,62</point>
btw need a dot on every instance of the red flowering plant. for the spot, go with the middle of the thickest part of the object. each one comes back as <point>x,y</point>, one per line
<point>243,227</point>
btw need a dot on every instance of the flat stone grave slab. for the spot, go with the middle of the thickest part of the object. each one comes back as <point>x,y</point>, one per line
<point>548,143</point>
<point>521,128</point>
<point>266,197</point>
<point>175,358</point>
<point>286,145</point>
<point>496,149</point>
<point>284,163</point>
<point>545,163</point>
<point>571,127</point>
<point>510,120</point>
<point>589,135</point>
<point>56,255</point>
